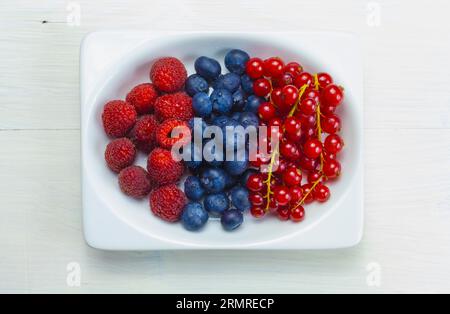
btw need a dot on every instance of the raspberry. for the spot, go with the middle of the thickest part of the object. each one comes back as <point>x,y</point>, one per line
<point>134,181</point>
<point>119,154</point>
<point>162,168</point>
<point>168,74</point>
<point>143,97</point>
<point>174,106</point>
<point>167,202</point>
<point>143,133</point>
<point>118,118</point>
<point>164,131</point>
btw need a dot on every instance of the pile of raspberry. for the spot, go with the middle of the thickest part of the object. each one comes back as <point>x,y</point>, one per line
<point>142,123</point>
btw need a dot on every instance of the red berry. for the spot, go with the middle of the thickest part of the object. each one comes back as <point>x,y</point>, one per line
<point>273,205</point>
<point>261,87</point>
<point>120,154</point>
<point>307,192</point>
<point>333,95</point>
<point>283,80</point>
<point>256,199</point>
<point>307,121</point>
<point>281,195</point>
<point>321,193</point>
<point>312,148</point>
<point>266,111</point>
<point>143,133</point>
<point>254,68</point>
<point>257,211</point>
<point>289,150</point>
<point>292,176</point>
<point>167,202</point>
<point>174,106</point>
<point>331,124</point>
<point>332,169</point>
<point>118,118</point>
<point>313,176</point>
<point>302,79</point>
<point>293,68</point>
<point>276,97</point>
<point>255,182</point>
<point>327,156</point>
<point>298,214</point>
<point>143,98</point>
<point>308,164</point>
<point>278,122</point>
<point>135,182</point>
<point>324,79</point>
<point>313,94</point>
<point>333,144</point>
<point>308,133</point>
<point>327,109</point>
<point>162,168</point>
<point>164,133</point>
<point>308,106</point>
<point>296,194</point>
<point>168,74</point>
<point>273,67</point>
<point>292,125</point>
<point>284,213</point>
<point>289,94</point>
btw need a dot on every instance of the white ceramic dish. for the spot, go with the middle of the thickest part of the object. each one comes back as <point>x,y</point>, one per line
<point>113,62</point>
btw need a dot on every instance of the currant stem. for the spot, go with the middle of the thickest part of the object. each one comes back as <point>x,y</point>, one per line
<point>302,201</point>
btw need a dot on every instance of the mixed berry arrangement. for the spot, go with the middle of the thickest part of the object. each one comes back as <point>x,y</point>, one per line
<point>297,107</point>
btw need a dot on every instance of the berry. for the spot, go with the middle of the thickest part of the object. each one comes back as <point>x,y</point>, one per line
<point>247,84</point>
<point>232,219</point>
<point>254,68</point>
<point>196,84</point>
<point>327,109</point>
<point>333,95</point>
<point>321,193</point>
<point>313,176</point>
<point>332,169</point>
<point>298,214</point>
<point>246,175</point>
<point>207,68</point>
<point>143,97</point>
<point>331,124</point>
<point>307,192</point>
<point>118,118</point>
<point>222,101</point>
<point>168,74</point>
<point>281,195</point>
<point>164,133</point>
<point>119,154</point>
<point>162,168</point>
<point>293,68</point>
<point>229,81</point>
<point>302,79</point>
<point>240,198</point>
<point>324,79</point>
<point>217,203</point>
<point>292,126</point>
<point>249,119</point>
<point>296,193</point>
<point>213,179</point>
<point>289,95</point>
<point>289,150</point>
<point>312,148</point>
<point>202,105</point>
<point>256,199</point>
<point>239,99</point>
<point>333,144</point>
<point>235,61</point>
<point>261,87</point>
<point>193,188</point>
<point>312,93</point>
<point>253,103</point>
<point>255,182</point>
<point>194,216</point>
<point>257,211</point>
<point>174,106</point>
<point>167,202</point>
<point>266,111</point>
<point>273,67</point>
<point>308,106</point>
<point>307,163</point>
<point>307,121</point>
<point>143,133</point>
<point>292,176</point>
<point>283,213</point>
<point>135,182</point>
<point>194,158</point>
<point>236,167</point>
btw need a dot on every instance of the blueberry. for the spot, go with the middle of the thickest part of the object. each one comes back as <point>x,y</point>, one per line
<point>201,103</point>
<point>249,119</point>
<point>235,167</point>
<point>196,84</point>
<point>222,101</point>
<point>239,198</point>
<point>247,84</point>
<point>236,116</point>
<point>232,219</point>
<point>230,181</point>
<point>208,68</point>
<point>193,188</point>
<point>253,103</point>
<point>195,154</point>
<point>238,100</point>
<point>246,175</point>
<point>235,61</point>
<point>217,203</point>
<point>213,179</point>
<point>194,217</point>
<point>229,81</point>
<point>221,121</point>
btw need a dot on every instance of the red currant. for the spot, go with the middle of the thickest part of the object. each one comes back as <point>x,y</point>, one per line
<point>327,156</point>
<point>273,205</point>
<point>327,109</point>
<point>307,190</point>
<point>333,144</point>
<point>302,79</point>
<point>293,68</point>
<point>289,94</point>
<point>307,121</point>
<point>308,106</point>
<point>298,214</point>
<point>257,211</point>
<point>308,133</point>
<point>273,67</point>
<point>283,80</point>
<point>254,68</point>
<point>292,125</point>
<point>276,98</point>
<point>308,164</point>
<point>281,195</point>
<point>261,87</point>
<point>284,213</point>
<point>313,176</point>
<point>331,124</point>
<point>312,148</point>
<point>289,150</point>
<point>266,111</point>
<point>313,94</point>
<point>296,194</point>
<point>292,176</point>
<point>324,79</point>
<point>256,199</point>
<point>255,182</point>
<point>332,169</point>
<point>321,193</point>
<point>333,95</point>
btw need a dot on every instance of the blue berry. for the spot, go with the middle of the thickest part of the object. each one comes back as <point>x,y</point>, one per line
<point>229,81</point>
<point>201,103</point>
<point>193,188</point>
<point>196,84</point>
<point>208,68</point>
<point>247,84</point>
<point>222,101</point>
<point>213,179</point>
<point>235,61</point>
<point>253,103</point>
<point>231,219</point>
<point>195,154</point>
<point>246,175</point>
<point>221,121</point>
<point>217,203</point>
<point>194,217</point>
<point>249,119</point>
<point>238,100</point>
<point>239,198</point>
<point>236,167</point>
<point>236,116</point>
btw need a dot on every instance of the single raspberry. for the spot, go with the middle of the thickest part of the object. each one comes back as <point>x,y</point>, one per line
<point>164,131</point>
<point>143,133</point>
<point>118,118</point>
<point>143,97</point>
<point>174,106</point>
<point>167,202</point>
<point>119,154</point>
<point>162,168</point>
<point>168,74</point>
<point>134,181</point>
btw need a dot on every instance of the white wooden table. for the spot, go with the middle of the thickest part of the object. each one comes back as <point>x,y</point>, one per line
<point>406,247</point>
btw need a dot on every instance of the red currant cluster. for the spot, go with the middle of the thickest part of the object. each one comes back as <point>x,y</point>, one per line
<point>303,107</point>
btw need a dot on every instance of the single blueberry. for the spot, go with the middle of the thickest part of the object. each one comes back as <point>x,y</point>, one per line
<point>246,175</point>
<point>217,203</point>
<point>222,101</point>
<point>201,103</point>
<point>208,68</point>
<point>229,81</point>
<point>235,167</point>
<point>196,84</point>
<point>249,119</point>
<point>247,84</point>
<point>194,217</point>
<point>253,103</point>
<point>239,198</point>
<point>238,100</point>
<point>232,219</point>
<point>193,188</point>
<point>213,179</point>
<point>235,61</point>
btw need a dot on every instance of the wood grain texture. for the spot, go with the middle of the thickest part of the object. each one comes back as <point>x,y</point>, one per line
<point>407,119</point>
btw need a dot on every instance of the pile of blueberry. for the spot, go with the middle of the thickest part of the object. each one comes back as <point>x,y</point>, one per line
<point>218,188</point>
